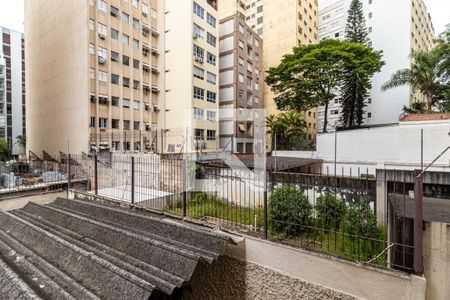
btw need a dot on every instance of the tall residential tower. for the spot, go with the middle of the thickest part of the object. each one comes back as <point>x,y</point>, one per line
<point>283,24</point>
<point>12,102</point>
<point>395,27</point>
<point>96,74</point>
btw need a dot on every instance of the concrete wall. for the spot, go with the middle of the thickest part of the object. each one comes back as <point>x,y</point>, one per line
<point>436,251</point>
<point>259,269</point>
<point>57,75</point>
<point>396,146</point>
<point>17,202</point>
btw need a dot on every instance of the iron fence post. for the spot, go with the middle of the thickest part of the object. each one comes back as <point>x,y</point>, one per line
<point>132,180</point>
<point>265,214</point>
<point>184,184</point>
<point>68,172</point>
<point>418,222</point>
<point>96,174</point>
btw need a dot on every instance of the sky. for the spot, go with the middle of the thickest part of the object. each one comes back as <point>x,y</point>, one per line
<point>11,13</point>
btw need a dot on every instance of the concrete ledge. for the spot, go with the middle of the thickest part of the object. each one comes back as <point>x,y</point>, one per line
<point>348,278</point>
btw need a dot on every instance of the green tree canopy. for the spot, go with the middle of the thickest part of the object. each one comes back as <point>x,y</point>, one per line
<point>5,150</point>
<point>312,74</point>
<point>355,31</point>
<point>429,74</point>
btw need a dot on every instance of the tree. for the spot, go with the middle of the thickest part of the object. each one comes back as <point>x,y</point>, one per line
<point>423,76</point>
<point>5,150</point>
<point>289,127</point>
<point>429,74</point>
<point>355,85</point>
<point>21,140</point>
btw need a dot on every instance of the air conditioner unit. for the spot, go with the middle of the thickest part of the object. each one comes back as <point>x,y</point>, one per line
<point>155,108</point>
<point>144,33</point>
<point>196,35</point>
<point>147,106</point>
<point>101,60</point>
<point>101,36</point>
<point>198,59</point>
<point>144,13</point>
<point>203,145</point>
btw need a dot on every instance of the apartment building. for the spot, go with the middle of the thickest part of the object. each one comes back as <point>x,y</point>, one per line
<point>95,77</point>
<point>283,24</point>
<point>12,103</point>
<point>241,82</point>
<point>3,127</point>
<point>191,76</point>
<point>395,27</point>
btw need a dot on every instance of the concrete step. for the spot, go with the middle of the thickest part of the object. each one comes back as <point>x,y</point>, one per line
<point>169,258</point>
<point>96,275</point>
<point>164,281</point>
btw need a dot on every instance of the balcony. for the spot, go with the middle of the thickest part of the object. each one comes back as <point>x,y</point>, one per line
<point>213,3</point>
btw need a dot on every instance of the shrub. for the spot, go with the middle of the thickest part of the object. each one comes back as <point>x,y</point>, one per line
<point>200,198</point>
<point>361,220</point>
<point>290,211</point>
<point>330,210</point>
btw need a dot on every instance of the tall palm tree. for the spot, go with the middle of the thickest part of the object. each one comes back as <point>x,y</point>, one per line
<point>423,76</point>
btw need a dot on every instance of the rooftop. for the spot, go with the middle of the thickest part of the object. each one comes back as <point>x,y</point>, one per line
<point>80,249</point>
<point>426,117</point>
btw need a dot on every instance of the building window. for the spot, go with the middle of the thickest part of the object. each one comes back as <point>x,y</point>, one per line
<point>211,59</point>
<point>199,32</point>
<point>211,39</point>
<point>370,15</point>
<point>260,20</point>
<point>92,73</point>
<point>91,25</point>
<point>136,84</point>
<point>199,113</point>
<point>103,123</point>
<point>211,116</point>
<point>211,78</point>
<point>199,11</point>
<point>259,9</point>
<point>125,60</point>
<point>126,125</point>
<point>211,135</point>
<point>241,44</point>
<point>199,93</point>
<point>115,56</point>
<point>135,44</point>
<point>199,53</point>
<point>126,103</point>
<point>370,29</point>
<point>114,11</point>
<point>115,124</point>
<point>144,9</point>
<point>136,125</point>
<point>211,97</point>
<point>125,18</point>
<point>102,76</point>
<point>115,101</point>
<point>211,20</point>
<point>136,64</point>
<point>136,23</point>
<point>102,29</point>
<point>241,28</point>
<point>199,73</point>
<point>115,79</point>
<point>114,34</point>
<point>102,6</point>
<point>92,49</point>
<point>92,122</point>
<point>199,134</point>
<point>136,105</point>
<point>125,39</point>
<point>369,115</point>
<point>135,3</point>
<point>241,77</point>
<point>126,82</point>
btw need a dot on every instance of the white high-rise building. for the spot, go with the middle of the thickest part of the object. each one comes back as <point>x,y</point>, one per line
<point>395,27</point>
<point>12,104</point>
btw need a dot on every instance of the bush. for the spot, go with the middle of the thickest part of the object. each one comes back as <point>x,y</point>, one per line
<point>361,220</point>
<point>290,211</point>
<point>200,198</point>
<point>330,210</point>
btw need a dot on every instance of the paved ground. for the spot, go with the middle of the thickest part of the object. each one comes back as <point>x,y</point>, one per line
<point>19,202</point>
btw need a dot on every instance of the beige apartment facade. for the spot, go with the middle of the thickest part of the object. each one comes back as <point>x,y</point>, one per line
<point>94,75</point>
<point>241,83</point>
<point>191,76</point>
<point>283,25</point>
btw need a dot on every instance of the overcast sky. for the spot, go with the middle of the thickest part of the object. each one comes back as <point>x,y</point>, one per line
<point>11,13</point>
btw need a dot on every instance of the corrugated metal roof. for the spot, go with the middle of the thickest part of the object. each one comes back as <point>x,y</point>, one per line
<point>426,117</point>
<point>79,249</point>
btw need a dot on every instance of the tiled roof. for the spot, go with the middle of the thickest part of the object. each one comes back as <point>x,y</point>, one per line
<point>426,117</point>
<point>79,249</point>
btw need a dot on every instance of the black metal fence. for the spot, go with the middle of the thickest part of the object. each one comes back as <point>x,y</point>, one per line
<point>330,213</point>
